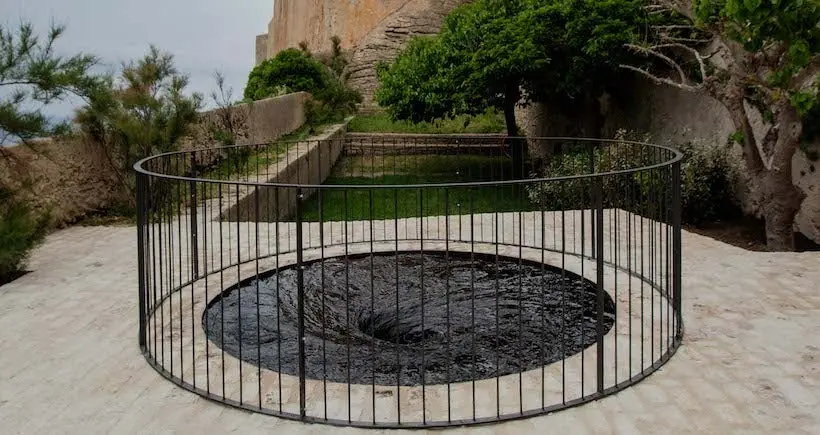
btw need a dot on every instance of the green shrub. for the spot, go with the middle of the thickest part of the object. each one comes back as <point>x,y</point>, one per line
<point>298,70</point>
<point>291,69</point>
<point>20,232</point>
<point>575,158</point>
<point>567,194</point>
<point>706,181</point>
<point>707,194</point>
<point>333,103</point>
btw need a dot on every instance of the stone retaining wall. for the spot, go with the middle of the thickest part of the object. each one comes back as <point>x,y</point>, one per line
<point>71,177</point>
<point>401,143</point>
<point>674,117</point>
<point>64,178</point>
<point>307,163</point>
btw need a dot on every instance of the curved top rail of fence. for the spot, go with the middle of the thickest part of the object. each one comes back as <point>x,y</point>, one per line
<point>665,156</point>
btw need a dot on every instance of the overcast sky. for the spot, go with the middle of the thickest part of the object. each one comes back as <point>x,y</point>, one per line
<point>203,35</point>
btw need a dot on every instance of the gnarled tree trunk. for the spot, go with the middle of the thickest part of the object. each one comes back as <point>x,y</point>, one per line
<point>782,198</point>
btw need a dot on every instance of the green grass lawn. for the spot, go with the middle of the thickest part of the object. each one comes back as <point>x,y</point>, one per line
<point>359,202</point>
<point>490,122</point>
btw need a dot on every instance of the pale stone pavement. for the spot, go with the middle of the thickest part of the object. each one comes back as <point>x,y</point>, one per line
<point>750,363</point>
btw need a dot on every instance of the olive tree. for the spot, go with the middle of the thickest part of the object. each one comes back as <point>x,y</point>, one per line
<point>501,53</point>
<point>747,54</point>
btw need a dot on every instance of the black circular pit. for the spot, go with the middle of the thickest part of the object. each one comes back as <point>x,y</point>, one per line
<point>392,318</point>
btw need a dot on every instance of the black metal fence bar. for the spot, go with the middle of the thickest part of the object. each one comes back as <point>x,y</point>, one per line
<point>410,281</point>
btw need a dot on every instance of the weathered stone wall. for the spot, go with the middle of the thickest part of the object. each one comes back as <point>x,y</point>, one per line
<point>673,117</point>
<point>316,21</point>
<point>261,48</point>
<point>266,120</point>
<point>66,178</point>
<point>69,178</point>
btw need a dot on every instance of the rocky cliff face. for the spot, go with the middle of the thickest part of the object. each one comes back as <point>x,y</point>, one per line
<point>416,17</point>
<point>316,21</point>
<point>373,29</point>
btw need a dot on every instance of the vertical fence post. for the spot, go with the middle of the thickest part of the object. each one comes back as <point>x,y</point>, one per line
<point>593,221</point>
<point>677,251</point>
<point>300,300</point>
<point>194,222</point>
<point>599,263</point>
<point>142,209</point>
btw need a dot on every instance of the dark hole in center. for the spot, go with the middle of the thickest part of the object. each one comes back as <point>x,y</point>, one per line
<point>386,326</point>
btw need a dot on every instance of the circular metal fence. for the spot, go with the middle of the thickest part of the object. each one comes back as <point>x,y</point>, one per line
<point>410,281</point>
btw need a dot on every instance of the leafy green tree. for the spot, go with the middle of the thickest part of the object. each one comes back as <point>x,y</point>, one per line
<point>144,112</point>
<point>33,75</point>
<point>584,40</point>
<point>415,86</point>
<point>502,53</point>
<point>484,57</point>
<point>293,70</point>
<point>748,53</point>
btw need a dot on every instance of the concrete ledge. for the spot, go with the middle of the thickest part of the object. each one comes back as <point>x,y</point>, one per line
<point>392,143</point>
<point>307,163</point>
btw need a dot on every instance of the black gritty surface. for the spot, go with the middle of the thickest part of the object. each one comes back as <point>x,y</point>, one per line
<point>474,320</point>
